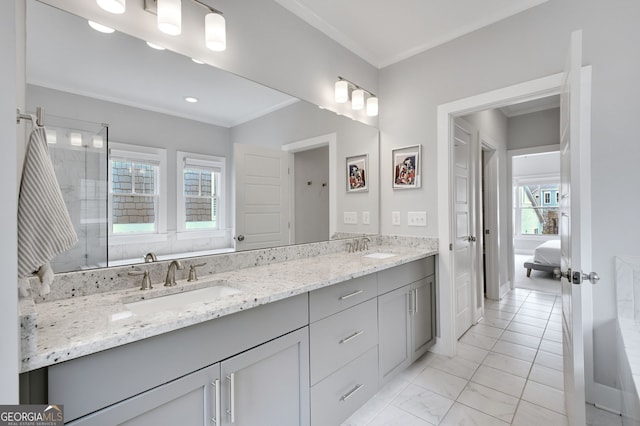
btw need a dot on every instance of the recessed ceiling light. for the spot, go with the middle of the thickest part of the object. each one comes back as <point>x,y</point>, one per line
<point>154,46</point>
<point>101,28</point>
<point>191,99</point>
<point>197,61</point>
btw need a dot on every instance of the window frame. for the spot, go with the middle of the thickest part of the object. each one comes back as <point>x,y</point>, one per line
<point>531,180</point>
<point>212,162</point>
<point>141,153</point>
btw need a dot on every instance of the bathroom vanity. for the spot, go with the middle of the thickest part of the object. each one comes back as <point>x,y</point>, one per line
<point>303,341</point>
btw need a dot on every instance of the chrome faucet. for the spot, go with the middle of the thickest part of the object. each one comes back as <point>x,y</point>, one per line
<point>150,257</point>
<point>365,243</point>
<point>170,281</point>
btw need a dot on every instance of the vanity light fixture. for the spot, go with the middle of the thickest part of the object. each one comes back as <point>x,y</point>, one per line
<point>52,136</point>
<point>75,139</point>
<point>191,99</point>
<point>357,99</point>
<point>114,6</point>
<point>344,88</point>
<point>341,91</point>
<point>169,21</point>
<point>101,28</point>
<point>372,106</point>
<point>170,16</point>
<point>98,141</point>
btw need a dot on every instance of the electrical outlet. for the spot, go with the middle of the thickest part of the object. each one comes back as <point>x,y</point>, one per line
<point>366,218</point>
<point>417,218</point>
<point>395,218</point>
<point>351,218</point>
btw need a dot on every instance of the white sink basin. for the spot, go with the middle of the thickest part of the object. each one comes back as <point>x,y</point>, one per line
<point>178,300</point>
<point>379,255</point>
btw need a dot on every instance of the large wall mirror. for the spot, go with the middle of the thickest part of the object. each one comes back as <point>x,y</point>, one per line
<point>143,168</point>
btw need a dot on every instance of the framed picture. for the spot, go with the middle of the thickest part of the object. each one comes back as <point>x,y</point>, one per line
<point>406,167</point>
<point>357,173</point>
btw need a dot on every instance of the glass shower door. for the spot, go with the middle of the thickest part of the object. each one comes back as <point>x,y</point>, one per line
<point>78,150</point>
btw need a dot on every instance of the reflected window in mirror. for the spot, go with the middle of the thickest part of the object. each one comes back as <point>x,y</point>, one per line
<point>137,193</point>
<point>201,194</point>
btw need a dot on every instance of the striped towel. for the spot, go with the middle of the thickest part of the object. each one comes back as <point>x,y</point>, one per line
<point>44,225</point>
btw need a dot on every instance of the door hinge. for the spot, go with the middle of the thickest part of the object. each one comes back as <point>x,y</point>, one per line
<point>450,246</point>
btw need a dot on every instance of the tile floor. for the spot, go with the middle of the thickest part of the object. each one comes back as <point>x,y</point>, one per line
<point>508,371</point>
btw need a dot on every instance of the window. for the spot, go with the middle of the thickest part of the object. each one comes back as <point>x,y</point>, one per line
<point>136,185</point>
<point>537,208</point>
<point>200,192</point>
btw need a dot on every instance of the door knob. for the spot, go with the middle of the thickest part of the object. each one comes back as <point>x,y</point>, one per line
<point>471,239</point>
<point>591,277</point>
<point>240,238</point>
<point>576,277</point>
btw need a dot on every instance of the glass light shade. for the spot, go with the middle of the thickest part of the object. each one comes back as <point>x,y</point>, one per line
<point>101,28</point>
<point>98,141</point>
<point>215,32</point>
<point>170,16</point>
<point>75,139</point>
<point>357,99</point>
<point>372,106</point>
<point>341,91</point>
<point>113,6</point>
<point>52,136</point>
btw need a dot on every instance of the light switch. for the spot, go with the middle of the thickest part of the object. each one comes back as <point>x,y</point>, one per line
<point>366,218</point>
<point>351,218</point>
<point>395,218</point>
<point>417,218</point>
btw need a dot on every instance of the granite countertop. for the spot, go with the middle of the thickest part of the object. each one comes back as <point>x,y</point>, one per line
<point>60,330</point>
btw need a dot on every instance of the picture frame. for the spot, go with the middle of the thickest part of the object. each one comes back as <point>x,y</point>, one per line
<point>406,164</point>
<point>358,173</point>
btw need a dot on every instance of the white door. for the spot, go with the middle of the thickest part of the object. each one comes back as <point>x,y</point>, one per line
<point>464,224</point>
<point>575,229</point>
<point>262,197</point>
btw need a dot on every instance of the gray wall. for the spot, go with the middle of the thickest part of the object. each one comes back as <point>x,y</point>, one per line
<point>303,120</point>
<point>311,197</point>
<point>527,46</point>
<point>535,129</point>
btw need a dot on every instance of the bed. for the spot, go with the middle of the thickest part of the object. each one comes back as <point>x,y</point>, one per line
<point>546,257</point>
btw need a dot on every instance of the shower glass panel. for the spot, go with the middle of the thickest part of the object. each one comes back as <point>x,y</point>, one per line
<point>78,150</point>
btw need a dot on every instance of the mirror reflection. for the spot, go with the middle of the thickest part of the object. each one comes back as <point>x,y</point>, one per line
<point>155,152</point>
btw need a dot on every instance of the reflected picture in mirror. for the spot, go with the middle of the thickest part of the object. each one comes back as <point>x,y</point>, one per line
<point>180,158</point>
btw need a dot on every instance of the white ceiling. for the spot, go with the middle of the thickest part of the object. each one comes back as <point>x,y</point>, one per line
<point>384,32</point>
<point>64,53</point>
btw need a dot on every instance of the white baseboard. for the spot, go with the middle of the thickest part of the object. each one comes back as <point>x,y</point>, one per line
<point>604,397</point>
<point>505,287</point>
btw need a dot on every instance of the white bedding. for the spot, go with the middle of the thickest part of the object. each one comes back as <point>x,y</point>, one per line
<point>548,253</point>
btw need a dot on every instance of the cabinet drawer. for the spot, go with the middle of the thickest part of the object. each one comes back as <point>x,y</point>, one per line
<point>393,278</point>
<point>338,396</point>
<point>329,300</point>
<point>340,338</point>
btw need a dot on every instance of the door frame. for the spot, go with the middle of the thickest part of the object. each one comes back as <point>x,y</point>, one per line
<point>330,140</point>
<point>546,86</point>
<point>534,89</point>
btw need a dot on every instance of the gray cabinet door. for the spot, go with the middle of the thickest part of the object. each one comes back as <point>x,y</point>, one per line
<point>394,338</point>
<point>268,385</point>
<point>187,401</point>
<point>422,316</point>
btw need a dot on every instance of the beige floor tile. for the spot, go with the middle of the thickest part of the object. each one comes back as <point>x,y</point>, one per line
<point>514,350</point>
<point>521,339</point>
<point>478,340</point>
<point>489,401</point>
<point>471,353</point>
<point>526,329</point>
<point>532,415</point>
<point>509,364</point>
<point>551,346</point>
<point>547,376</point>
<point>440,382</point>
<point>461,415</point>
<point>499,380</point>
<point>549,360</point>
<point>544,396</point>
<point>457,366</point>
<point>393,416</point>
<point>422,403</point>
